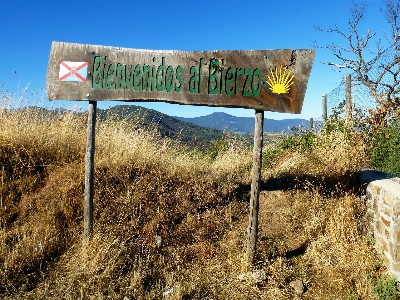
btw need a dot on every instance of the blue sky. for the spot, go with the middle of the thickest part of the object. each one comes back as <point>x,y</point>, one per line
<point>27,29</point>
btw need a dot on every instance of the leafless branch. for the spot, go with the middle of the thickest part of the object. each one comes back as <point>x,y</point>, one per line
<point>358,47</point>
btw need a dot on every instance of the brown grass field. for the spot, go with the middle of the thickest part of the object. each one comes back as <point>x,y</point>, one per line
<point>313,223</point>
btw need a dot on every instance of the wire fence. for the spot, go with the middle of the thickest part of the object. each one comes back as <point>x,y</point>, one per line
<point>361,97</point>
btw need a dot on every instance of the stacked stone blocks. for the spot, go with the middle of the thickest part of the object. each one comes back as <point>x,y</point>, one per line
<point>383,196</point>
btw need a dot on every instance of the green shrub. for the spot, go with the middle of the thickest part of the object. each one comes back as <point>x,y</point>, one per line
<point>302,139</point>
<point>385,150</point>
<point>219,146</point>
<point>385,288</point>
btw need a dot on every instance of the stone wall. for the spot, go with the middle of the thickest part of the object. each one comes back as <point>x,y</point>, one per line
<point>383,196</point>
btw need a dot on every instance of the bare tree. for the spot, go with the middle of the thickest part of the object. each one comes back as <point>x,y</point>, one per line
<point>374,66</point>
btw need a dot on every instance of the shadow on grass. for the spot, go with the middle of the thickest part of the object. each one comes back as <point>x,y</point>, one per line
<point>334,186</point>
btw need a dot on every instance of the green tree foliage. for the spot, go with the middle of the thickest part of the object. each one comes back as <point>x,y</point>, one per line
<point>385,151</point>
<point>301,139</point>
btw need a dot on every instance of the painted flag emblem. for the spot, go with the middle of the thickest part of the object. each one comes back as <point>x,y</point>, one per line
<point>73,71</point>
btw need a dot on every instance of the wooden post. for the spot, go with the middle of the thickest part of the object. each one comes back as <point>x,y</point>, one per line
<point>89,170</point>
<point>349,116</point>
<point>252,230</point>
<point>311,124</point>
<point>324,108</point>
<point>2,185</point>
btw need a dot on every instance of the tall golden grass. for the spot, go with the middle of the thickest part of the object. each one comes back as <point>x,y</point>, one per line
<point>171,222</point>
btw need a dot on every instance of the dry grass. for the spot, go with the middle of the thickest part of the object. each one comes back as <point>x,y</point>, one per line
<point>145,187</point>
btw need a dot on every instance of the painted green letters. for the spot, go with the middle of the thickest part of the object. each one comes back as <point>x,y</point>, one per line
<point>128,76</point>
<point>239,71</point>
<point>193,81</point>
<point>213,76</point>
<point>111,77</point>
<point>146,78</point>
<point>137,81</point>
<point>97,74</point>
<point>160,85</point>
<point>161,77</point>
<point>229,77</point>
<point>169,78</point>
<point>178,72</point>
<point>246,91</point>
<point>256,92</point>
<point>120,77</point>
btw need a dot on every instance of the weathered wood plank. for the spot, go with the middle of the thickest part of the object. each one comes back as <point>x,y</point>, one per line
<point>252,230</point>
<point>349,105</point>
<point>89,171</point>
<point>231,78</point>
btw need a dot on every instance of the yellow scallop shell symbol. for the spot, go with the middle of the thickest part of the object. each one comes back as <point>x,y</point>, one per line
<point>280,81</point>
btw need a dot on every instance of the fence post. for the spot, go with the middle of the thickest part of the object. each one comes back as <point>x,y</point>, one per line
<point>89,170</point>
<point>252,230</point>
<point>349,116</point>
<point>311,124</point>
<point>324,108</point>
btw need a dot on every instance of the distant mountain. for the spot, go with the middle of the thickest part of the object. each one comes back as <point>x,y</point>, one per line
<point>223,121</point>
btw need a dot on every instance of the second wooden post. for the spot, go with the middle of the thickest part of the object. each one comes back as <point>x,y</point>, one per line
<point>252,230</point>
<point>89,170</point>
<point>349,105</point>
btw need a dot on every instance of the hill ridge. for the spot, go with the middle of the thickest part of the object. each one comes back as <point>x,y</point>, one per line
<point>224,121</point>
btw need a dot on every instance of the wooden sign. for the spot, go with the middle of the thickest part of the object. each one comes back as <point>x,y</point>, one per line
<point>273,80</point>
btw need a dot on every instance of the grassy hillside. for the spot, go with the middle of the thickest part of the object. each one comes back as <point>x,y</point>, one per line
<point>170,127</point>
<point>313,226</point>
